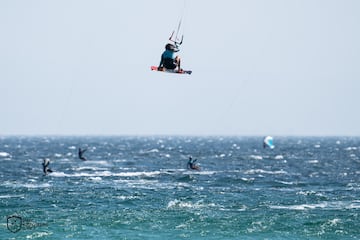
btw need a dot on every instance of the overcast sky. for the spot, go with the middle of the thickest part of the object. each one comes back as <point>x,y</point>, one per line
<point>260,67</point>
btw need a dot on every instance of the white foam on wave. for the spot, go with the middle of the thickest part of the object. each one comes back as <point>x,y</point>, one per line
<point>88,168</point>
<point>350,148</point>
<point>11,196</point>
<point>261,171</point>
<point>155,150</point>
<point>100,162</point>
<point>191,205</point>
<point>334,222</point>
<point>300,206</point>
<point>149,184</point>
<point>35,185</point>
<point>124,198</point>
<point>178,171</point>
<point>313,161</point>
<point>255,157</point>
<point>5,154</point>
<point>309,193</point>
<point>31,184</point>
<point>95,179</point>
<point>36,235</point>
<point>286,183</point>
<point>338,205</point>
<point>142,183</point>
<point>200,172</point>
<point>105,174</point>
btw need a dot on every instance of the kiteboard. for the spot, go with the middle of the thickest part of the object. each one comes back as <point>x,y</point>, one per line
<point>154,68</point>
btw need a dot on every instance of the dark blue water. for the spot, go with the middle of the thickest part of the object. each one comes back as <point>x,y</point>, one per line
<point>139,188</point>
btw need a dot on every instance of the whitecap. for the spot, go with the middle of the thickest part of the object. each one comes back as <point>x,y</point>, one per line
<point>34,185</point>
<point>182,204</point>
<point>95,179</point>
<point>38,235</point>
<point>199,172</point>
<point>306,193</point>
<point>5,154</point>
<point>334,222</point>
<point>247,179</point>
<point>286,183</point>
<point>88,168</point>
<point>350,148</point>
<point>313,161</point>
<point>257,171</point>
<point>279,157</point>
<point>124,198</point>
<point>300,206</point>
<point>100,162</point>
<point>338,205</point>
<point>354,205</point>
<point>256,157</point>
<point>105,174</point>
<point>11,196</point>
<point>155,150</point>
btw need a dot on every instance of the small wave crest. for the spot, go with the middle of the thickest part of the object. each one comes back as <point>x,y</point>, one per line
<point>261,171</point>
<point>183,204</point>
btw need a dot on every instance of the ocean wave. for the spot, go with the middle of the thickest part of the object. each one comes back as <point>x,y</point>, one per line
<point>350,148</point>
<point>28,185</point>
<point>88,168</point>
<point>193,205</point>
<point>300,206</point>
<point>261,171</point>
<point>255,157</point>
<point>5,154</point>
<point>313,161</point>
<point>285,183</point>
<point>11,196</point>
<point>105,174</point>
<point>36,235</point>
<point>95,179</point>
<point>337,205</point>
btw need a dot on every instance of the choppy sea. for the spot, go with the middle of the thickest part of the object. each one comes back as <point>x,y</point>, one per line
<point>140,188</point>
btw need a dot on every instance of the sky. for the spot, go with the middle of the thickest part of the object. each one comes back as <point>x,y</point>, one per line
<point>260,67</point>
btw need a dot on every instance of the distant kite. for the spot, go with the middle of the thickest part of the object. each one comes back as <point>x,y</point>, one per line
<point>268,142</point>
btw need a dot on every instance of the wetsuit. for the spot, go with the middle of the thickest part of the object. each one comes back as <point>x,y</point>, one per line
<point>168,60</point>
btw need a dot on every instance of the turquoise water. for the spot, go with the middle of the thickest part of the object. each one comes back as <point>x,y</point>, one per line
<point>139,188</point>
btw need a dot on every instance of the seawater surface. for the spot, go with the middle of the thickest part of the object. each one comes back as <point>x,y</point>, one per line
<point>140,188</point>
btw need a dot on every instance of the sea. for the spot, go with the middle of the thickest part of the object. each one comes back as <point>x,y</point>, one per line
<point>139,187</point>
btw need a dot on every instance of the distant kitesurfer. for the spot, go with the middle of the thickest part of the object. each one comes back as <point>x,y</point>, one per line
<point>81,152</point>
<point>46,169</point>
<point>192,165</point>
<point>169,59</point>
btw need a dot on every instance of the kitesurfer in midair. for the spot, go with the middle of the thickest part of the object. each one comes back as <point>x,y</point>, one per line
<point>192,165</point>
<point>81,153</point>
<point>169,59</point>
<point>46,169</point>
